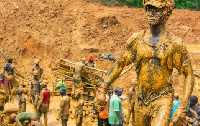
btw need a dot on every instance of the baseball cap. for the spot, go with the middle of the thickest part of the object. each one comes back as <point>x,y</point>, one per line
<point>63,89</point>
<point>118,89</point>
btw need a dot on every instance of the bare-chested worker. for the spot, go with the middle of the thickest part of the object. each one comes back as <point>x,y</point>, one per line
<point>22,100</point>
<point>77,91</point>
<point>155,52</point>
<point>38,68</point>
<point>132,99</point>
<point>5,89</point>
<point>9,71</point>
<point>35,89</point>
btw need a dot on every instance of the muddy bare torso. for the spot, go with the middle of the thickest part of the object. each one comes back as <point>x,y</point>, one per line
<point>155,62</point>
<point>79,67</point>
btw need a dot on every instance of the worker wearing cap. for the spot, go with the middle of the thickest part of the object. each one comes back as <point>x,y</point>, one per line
<point>26,90</point>
<point>35,88</point>
<point>90,62</point>
<point>38,68</point>
<point>5,89</point>
<point>22,100</point>
<point>116,117</point>
<point>64,106</point>
<point>24,116</point>
<point>155,53</point>
<point>43,104</point>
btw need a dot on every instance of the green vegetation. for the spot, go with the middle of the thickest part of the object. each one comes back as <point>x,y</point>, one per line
<point>180,4</point>
<point>188,4</point>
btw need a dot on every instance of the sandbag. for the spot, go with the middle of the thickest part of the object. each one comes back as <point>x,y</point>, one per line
<point>10,108</point>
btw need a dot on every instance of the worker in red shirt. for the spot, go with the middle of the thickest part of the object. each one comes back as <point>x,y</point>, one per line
<point>5,89</point>
<point>43,105</point>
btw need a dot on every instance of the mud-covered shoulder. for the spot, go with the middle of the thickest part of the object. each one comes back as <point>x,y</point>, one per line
<point>176,41</point>
<point>132,39</point>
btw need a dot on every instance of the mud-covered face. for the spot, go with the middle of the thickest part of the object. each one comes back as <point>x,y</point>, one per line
<point>154,15</point>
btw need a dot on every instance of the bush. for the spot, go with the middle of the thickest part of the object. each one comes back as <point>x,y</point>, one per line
<point>180,4</point>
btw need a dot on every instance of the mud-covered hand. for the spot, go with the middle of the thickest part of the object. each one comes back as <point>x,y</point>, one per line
<point>179,116</point>
<point>101,97</point>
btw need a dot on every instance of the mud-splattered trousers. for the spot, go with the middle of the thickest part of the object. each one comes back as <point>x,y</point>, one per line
<point>22,104</point>
<point>77,94</point>
<point>154,110</point>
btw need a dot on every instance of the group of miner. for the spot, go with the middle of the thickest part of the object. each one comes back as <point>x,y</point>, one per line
<point>37,93</point>
<point>155,52</point>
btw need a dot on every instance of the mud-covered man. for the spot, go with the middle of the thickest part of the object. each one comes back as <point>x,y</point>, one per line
<point>5,89</point>
<point>38,68</point>
<point>132,100</point>
<point>9,71</point>
<point>155,53</point>
<point>22,101</point>
<point>35,89</point>
<point>77,91</point>
<point>43,104</point>
<point>24,116</point>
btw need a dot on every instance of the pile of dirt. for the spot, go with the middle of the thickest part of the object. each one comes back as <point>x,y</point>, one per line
<point>50,30</point>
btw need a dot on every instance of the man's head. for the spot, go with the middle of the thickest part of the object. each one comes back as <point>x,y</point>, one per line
<point>9,59</point>
<point>12,116</point>
<point>158,11</point>
<point>2,76</point>
<point>63,91</point>
<point>91,58</point>
<point>1,107</point>
<point>193,100</point>
<point>83,59</point>
<point>176,96</point>
<point>118,91</point>
<point>37,61</point>
<point>44,83</point>
<point>24,83</point>
<point>19,91</point>
<point>35,74</point>
<point>110,90</point>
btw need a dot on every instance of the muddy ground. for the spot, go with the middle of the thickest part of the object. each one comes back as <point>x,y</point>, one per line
<point>54,29</point>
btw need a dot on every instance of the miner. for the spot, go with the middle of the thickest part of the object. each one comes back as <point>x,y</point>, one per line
<point>38,68</point>
<point>77,91</point>
<point>9,70</point>
<point>5,89</point>
<point>155,52</point>
<point>22,101</point>
<point>43,104</point>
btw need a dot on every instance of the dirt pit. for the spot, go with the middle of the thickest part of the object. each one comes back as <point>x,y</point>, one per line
<point>50,30</point>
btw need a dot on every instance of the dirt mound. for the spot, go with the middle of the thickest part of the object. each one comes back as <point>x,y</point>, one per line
<point>50,30</point>
<point>108,21</point>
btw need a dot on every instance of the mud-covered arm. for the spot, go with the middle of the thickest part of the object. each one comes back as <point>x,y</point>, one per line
<point>183,64</point>
<point>128,56</point>
<point>125,59</point>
